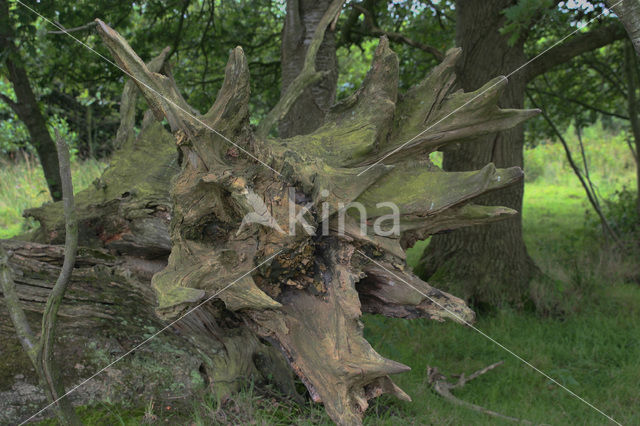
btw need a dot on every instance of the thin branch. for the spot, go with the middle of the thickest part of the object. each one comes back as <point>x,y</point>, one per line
<point>12,302</point>
<point>308,75</point>
<point>71,30</point>
<point>464,380</point>
<point>50,316</point>
<point>579,102</point>
<point>585,165</point>
<point>178,35</point>
<point>573,47</point>
<point>40,350</point>
<point>395,36</point>
<point>591,196</point>
<point>607,75</point>
<point>443,388</point>
<point>12,104</point>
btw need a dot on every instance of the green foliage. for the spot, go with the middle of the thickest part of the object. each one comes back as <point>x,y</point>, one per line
<point>69,79</point>
<point>621,211</point>
<point>520,16</point>
<point>609,159</point>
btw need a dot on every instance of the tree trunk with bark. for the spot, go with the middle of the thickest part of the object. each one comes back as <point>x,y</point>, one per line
<point>632,73</point>
<point>308,112</point>
<point>26,107</point>
<point>629,13</point>
<point>486,264</point>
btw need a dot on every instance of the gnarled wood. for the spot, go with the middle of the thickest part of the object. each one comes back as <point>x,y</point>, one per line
<point>226,214</point>
<point>229,214</point>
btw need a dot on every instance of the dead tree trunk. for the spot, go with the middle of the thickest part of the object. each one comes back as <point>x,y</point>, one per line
<point>228,212</point>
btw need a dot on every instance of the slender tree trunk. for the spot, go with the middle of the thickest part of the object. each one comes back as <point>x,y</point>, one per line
<point>308,111</point>
<point>27,107</point>
<point>486,264</point>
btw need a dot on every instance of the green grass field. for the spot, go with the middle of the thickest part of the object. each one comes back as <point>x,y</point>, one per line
<point>587,338</point>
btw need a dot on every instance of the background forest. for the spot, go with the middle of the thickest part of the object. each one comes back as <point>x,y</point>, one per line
<point>559,285</point>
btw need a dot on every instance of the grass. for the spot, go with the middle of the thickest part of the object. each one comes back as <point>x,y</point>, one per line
<point>22,186</point>
<point>588,340</point>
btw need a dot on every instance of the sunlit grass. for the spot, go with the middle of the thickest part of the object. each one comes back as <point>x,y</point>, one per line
<point>22,186</point>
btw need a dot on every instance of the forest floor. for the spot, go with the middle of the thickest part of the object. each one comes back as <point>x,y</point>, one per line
<point>585,334</point>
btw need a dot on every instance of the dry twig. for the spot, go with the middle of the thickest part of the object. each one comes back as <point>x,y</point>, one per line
<point>443,387</point>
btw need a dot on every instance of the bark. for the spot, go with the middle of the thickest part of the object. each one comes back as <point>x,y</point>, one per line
<point>631,71</point>
<point>305,291</point>
<point>128,100</point>
<point>308,112</point>
<point>106,312</point>
<point>27,107</point>
<point>629,13</point>
<point>487,264</point>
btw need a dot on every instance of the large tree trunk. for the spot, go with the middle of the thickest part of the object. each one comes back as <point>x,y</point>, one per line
<point>308,112</point>
<point>629,13</point>
<point>109,311</point>
<point>485,264</point>
<point>26,107</point>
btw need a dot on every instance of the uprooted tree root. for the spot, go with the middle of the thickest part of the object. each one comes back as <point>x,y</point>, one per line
<point>228,199</point>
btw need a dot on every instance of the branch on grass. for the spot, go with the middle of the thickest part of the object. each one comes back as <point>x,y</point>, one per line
<point>443,387</point>
<point>397,37</point>
<point>308,75</point>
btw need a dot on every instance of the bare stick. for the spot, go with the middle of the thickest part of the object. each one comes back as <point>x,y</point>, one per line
<point>16,313</point>
<point>50,316</point>
<point>443,387</point>
<point>397,37</point>
<point>71,30</point>
<point>40,351</point>
<point>591,196</point>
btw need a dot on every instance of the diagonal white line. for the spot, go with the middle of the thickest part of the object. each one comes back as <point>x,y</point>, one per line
<point>150,88</point>
<point>518,357</point>
<point>154,335</point>
<point>487,89</point>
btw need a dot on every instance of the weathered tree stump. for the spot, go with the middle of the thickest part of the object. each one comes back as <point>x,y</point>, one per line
<point>217,213</point>
<point>308,298</point>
